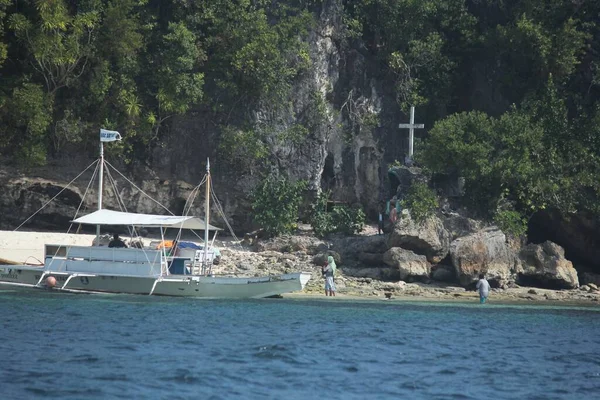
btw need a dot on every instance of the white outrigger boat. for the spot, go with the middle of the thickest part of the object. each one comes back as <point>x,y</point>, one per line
<point>149,271</point>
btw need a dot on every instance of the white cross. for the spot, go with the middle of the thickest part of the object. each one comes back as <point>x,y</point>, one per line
<point>412,126</point>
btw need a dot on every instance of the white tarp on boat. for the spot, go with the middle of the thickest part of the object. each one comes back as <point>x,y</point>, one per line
<point>109,217</point>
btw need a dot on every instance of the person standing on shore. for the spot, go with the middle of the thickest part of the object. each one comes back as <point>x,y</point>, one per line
<point>329,273</point>
<point>484,288</point>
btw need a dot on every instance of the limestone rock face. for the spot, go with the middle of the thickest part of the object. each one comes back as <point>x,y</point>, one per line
<point>408,263</point>
<point>21,198</point>
<point>287,243</point>
<point>458,226</point>
<point>428,238</point>
<point>589,277</point>
<point>403,178</point>
<point>371,258</point>
<point>485,251</point>
<point>545,265</point>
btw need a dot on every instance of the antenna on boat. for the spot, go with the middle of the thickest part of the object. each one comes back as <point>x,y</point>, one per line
<point>206,216</point>
<point>105,136</point>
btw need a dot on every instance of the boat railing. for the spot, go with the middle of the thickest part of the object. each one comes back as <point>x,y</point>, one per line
<point>103,260</point>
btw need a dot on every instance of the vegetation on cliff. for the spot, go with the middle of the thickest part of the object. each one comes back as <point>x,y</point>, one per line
<point>512,86</point>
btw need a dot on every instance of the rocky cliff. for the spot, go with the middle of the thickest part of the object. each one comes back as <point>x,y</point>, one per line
<point>352,140</point>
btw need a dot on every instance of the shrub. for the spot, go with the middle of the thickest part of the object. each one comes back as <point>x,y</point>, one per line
<point>421,201</point>
<point>348,220</point>
<point>511,222</point>
<point>275,204</point>
<point>321,221</point>
<point>343,219</point>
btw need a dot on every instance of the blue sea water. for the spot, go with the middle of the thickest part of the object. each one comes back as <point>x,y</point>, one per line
<point>56,345</point>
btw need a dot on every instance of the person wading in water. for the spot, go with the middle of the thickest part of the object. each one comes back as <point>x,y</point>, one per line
<point>329,273</point>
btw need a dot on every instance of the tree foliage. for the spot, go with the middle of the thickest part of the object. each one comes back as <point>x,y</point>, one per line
<point>421,201</point>
<point>275,204</point>
<point>512,87</point>
<point>134,64</point>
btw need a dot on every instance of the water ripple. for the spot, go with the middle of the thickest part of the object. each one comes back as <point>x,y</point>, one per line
<point>164,348</point>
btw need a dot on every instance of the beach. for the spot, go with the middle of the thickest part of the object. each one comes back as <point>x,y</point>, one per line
<point>27,247</point>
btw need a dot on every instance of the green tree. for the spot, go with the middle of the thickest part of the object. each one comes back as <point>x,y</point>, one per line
<point>3,46</point>
<point>31,113</point>
<point>59,43</point>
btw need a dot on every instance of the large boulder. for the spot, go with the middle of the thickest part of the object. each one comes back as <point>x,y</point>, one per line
<point>428,238</point>
<point>354,245</point>
<point>408,263</point>
<point>321,258</point>
<point>485,251</point>
<point>361,251</point>
<point>545,265</point>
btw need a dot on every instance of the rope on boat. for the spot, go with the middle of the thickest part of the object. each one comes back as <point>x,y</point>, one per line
<point>137,187</point>
<point>52,199</point>
<point>87,189</point>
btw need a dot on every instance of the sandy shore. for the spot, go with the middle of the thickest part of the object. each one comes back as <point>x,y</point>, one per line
<point>469,298</point>
<point>27,247</point>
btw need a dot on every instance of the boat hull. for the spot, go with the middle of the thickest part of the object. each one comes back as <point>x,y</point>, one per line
<point>172,285</point>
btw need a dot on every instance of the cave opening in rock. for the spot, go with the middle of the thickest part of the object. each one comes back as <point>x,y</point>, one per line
<point>328,180</point>
<point>542,226</point>
<point>394,182</point>
<point>178,206</point>
<point>540,281</point>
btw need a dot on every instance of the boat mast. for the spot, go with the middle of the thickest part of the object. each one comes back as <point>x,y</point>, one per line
<point>100,178</point>
<point>105,136</point>
<point>206,217</point>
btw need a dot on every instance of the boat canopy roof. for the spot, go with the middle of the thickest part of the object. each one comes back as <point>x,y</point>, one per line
<point>109,217</point>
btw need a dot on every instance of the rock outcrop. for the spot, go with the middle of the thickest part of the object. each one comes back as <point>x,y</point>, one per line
<point>485,251</point>
<point>428,238</point>
<point>360,250</point>
<point>545,265</point>
<point>458,226</point>
<point>409,264</point>
<point>287,243</point>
